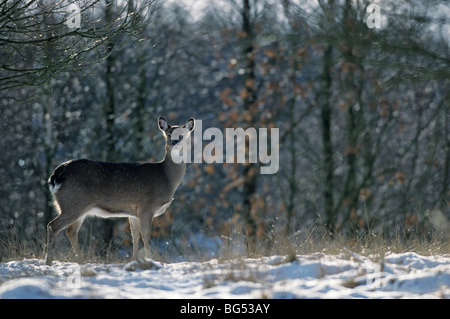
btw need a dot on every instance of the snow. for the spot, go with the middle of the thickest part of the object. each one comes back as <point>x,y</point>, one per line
<point>346,275</point>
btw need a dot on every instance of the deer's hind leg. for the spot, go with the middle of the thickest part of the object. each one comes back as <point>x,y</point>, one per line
<point>66,218</point>
<point>72,233</point>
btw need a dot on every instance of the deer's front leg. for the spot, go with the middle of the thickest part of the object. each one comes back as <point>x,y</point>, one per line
<point>135,234</point>
<point>145,221</point>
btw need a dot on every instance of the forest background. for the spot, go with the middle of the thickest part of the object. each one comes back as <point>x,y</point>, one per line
<point>361,99</point>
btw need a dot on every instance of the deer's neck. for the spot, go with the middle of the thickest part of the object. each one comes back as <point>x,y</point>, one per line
<point>174,171</point>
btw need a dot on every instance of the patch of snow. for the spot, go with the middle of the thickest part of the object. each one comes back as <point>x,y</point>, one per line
<point>26,288</point>
<point>348,275</point>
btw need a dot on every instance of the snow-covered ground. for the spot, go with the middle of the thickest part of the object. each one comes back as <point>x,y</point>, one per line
<point>347,275</point>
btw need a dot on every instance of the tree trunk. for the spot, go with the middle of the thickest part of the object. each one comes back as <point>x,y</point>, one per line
<point>249,100</point>
<point>326,115</point>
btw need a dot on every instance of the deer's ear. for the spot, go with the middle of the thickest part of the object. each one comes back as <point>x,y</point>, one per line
<point>190,124</point>
<point>162,124</point>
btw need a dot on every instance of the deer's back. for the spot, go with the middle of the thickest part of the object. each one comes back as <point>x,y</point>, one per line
<point>110,182</point>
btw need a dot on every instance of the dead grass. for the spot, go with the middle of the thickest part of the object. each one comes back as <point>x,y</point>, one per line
<point>304,242</point>
<point>318,239</point>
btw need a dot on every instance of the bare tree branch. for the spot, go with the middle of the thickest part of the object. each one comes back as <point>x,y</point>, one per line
<point>37,39</point>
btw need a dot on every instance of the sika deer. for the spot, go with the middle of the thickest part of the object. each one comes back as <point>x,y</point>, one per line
<point>139,191</point>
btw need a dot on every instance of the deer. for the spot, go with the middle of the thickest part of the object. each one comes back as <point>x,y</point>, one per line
<point>137,190</point>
